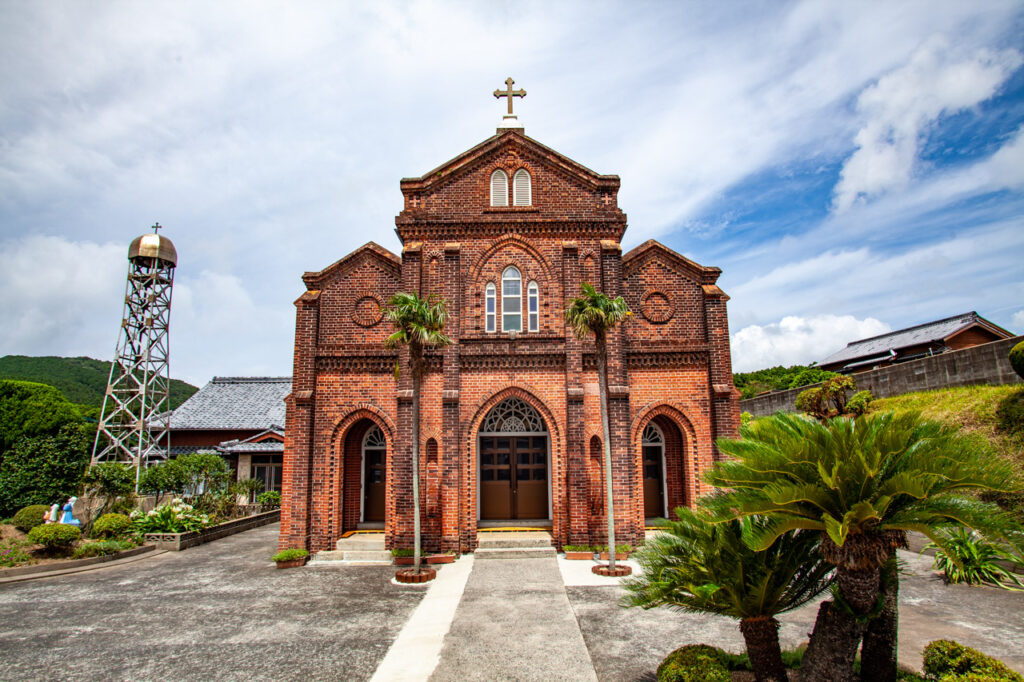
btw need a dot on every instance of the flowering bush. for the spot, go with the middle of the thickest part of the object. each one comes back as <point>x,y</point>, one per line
<point>174,517</point>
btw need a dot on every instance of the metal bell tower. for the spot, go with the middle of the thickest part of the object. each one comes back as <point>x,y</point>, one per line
<point>137,406</point>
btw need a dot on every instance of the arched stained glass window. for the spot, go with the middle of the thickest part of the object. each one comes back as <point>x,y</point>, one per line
<point>533,306</point>
<point>511,300</point>
<point>513,415</point>
<point>490,303</point>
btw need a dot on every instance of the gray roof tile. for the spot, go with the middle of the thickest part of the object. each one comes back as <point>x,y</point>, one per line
<point>235,403</point>
<point>903,338</point>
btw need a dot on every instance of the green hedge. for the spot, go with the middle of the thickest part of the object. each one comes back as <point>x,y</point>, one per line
<point>1017,359</point>
<point>949,661</point>
<point>290,555</point>
<point>31,516</point>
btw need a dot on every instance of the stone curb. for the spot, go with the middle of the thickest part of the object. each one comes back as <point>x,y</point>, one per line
<point>14,575</point>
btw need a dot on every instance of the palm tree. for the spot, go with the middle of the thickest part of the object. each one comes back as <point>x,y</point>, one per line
<point>595,313</point>
<point>703,566</point>
<point>862,484</point>
<point>419,324</point>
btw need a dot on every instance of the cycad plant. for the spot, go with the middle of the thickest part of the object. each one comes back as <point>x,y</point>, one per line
<point>861,484</point>
<point>595,313</point>
<point>698,565</point>
<point>419,324</point>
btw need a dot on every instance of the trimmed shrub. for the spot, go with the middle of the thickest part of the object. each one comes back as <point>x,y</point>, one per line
<point>694,663</point>
<point>31,516</point>
<point>290,555</point>
<point>946,660</point>
<point>111,526</point>
<point>1017,359</point>
<point>55,536</point>
<point>858,404</point>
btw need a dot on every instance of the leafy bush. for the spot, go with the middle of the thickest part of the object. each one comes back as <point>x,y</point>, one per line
<point>810,375</point>
<point>14,551</point>
<point>31,516</point>
<point>44,468</point>
<point>694,663</point>
<point>859,403</point>
<point>946,660</point>
<point>403,552</point>
<point>271,498</point>
<point>91,549</point>
<point>745,418</point>
<point>247,487</point>
<point>290,555</point>
<point>163,478</point>
<point>173,517</point>
<point>1017,359</point>
<point>55,536</point>
<point>114,483</point>
<point>111,526</point>
<point>827,400</point>
<point>967,557</point>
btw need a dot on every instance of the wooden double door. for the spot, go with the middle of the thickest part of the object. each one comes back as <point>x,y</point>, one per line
<point>514,477</point>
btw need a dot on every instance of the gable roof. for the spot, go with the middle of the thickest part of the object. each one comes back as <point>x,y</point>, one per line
<point>388,261</point>
<point>235,403</point>
<point>652,248</point>
<point>271,440</point>
<point>465,162</point>
<point>929,332</point>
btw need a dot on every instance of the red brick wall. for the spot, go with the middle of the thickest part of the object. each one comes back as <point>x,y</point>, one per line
<point>669,363</point>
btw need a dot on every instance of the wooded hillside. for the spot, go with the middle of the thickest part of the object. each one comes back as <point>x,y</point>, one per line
<point>81,380</point>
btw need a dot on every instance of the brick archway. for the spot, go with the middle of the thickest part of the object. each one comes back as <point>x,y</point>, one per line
<point>345,466</point>
<point>681,476</point>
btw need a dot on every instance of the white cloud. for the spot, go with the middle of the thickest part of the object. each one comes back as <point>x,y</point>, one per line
<point>897,109</point>
<point>1018,322</point>
<point>798,340</point>
<point>60,297</point>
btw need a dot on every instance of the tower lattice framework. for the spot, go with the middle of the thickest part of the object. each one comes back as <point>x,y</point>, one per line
<point>137,406</point>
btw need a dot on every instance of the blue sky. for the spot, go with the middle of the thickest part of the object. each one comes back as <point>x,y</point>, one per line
<point>852,167</point>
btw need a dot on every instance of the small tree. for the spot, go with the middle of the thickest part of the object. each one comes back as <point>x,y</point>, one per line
<point>698,565</point>
<point>419,324</point>
<point>595,313</point>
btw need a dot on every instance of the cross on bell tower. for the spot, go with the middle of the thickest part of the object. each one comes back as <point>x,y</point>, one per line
<point>509,120</point>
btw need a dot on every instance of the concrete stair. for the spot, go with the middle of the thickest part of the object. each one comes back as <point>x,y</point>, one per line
<point>514,545</point>
<point>356,550</point>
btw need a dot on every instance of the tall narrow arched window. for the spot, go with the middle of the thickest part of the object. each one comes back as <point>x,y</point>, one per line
<point>521,192</point>
<point>533,306</point>
<point>499,188</point>
<point>511,300</point>
<point>490,304</point>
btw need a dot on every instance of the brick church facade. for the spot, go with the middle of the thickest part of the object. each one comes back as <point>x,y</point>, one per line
<point>510,428</point>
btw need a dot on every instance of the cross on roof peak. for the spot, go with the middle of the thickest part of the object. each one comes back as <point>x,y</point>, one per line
<point>510,93</point>
<point>156,226</point>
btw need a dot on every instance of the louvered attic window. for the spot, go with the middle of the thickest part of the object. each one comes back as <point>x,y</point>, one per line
<point>522,195</point>
<point>499,188</point>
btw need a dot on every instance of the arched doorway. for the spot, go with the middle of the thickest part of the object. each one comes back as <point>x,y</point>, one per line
<point>374,475</point>
<point>513,462</point>
<point>652,447</point>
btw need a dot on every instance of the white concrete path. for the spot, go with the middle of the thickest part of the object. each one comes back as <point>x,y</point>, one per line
<point>417,650</point>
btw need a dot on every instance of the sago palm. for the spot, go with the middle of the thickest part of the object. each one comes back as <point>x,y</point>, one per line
<point>701,566</point>
<point>595,313</point>
<point>862,484</point>
<point>419,324</point>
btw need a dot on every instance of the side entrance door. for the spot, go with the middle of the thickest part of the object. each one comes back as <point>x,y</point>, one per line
<point>513,477</point>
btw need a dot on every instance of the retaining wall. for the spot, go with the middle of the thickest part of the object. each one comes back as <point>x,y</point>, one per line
<point>176,542</point>
<point>985,364</point>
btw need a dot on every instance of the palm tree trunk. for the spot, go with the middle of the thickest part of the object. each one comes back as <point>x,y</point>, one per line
<point>761,635</point>
<point>415,358</point>
<point>878,655</point>
<point>602,378</point>
<point>837,632</point>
